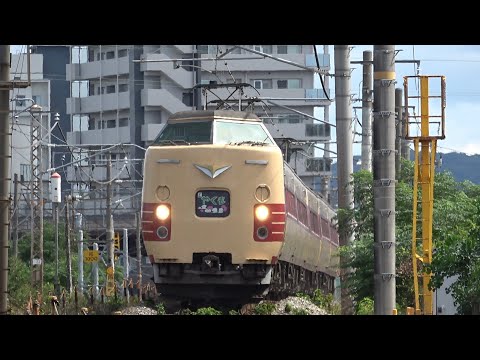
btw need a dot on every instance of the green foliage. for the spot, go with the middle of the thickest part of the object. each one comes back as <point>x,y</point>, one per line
<point>326,302</point>
<point>233,312</point>
<point>115,304</point>
<point>288,308</point>
<point>297,311</point>
<point>458,255</point>
<point>264,308</point>
<point>365,307</point>
<point>160,309</point>
<point>455,241</point>
<point>19,283</point>
<point>302,296</point>
<point>207,311</point>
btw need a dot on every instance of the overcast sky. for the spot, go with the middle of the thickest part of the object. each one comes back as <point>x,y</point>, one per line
<point>461,66</point>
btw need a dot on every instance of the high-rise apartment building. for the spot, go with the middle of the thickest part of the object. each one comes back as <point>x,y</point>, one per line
<point>115,99</point>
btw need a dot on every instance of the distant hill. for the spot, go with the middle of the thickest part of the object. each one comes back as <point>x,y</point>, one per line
<point>462,166</point>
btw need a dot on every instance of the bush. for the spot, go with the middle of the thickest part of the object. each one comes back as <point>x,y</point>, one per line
<point>365,307</point>
<point>208,311</point>
<point>296,311</point>
<point>160,309</point>
<point>264,308</point>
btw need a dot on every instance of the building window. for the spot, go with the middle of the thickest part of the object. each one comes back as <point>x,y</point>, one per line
<point>122,53</point>
<point>235,51</point>
<point>111,124</point>
<point>202,49</point>
<point>25,171</point>
<point>37,99</point>
<point>110,89</point>
<point>234,81</point>
<point>91,124</point>
<point>20,102</point>
<point>187,99</point>
<point>122,88</point>
<point>91,55</point>
<point>289,84</point>
<point>110,55</point>
<point>91,89</point>
<point>262,83</point>
<point>289,49</point>
<point>267,49</point>
<point>122,122</point>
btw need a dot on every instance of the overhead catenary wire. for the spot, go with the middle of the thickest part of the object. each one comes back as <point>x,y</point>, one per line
<point>320,75</point>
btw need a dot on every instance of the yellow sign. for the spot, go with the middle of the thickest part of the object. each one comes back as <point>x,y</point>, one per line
<point>116,240</point>
<point>90,256</point>
<point>110,288</point>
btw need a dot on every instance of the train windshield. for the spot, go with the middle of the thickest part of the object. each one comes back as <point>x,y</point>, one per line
<point>228,132</point>
<point>199,132</point>
<point>224,132</point>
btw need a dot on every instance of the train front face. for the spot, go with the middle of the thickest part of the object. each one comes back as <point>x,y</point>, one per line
<point>213,213</point>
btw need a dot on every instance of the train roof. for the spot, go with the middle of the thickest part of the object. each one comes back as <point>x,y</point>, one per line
<point>213,115</point>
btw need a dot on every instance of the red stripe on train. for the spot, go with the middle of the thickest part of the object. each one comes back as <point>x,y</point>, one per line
<point>151,224</point>
<point>275,223</point>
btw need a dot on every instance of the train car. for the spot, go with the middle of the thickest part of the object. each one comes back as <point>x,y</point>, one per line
<point>224,216</point>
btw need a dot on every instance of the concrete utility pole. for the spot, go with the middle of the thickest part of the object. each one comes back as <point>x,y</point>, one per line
<point>68,243</point>
<point>344,152</point>
<point>325,180</point>
<point>384,178</point>
<point>78,226</point>
<point>367,102</point>
<point>95,274</point>
<point>5,156</point>
<point>126,270</point>
<point>139,253</point>
<point>405,144</point>
<point>109,235</point>
<point>398,132</point>
<point>16,199</point>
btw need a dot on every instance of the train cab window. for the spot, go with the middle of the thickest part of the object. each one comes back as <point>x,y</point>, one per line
<point>228,132</point>
<point>198,132</point>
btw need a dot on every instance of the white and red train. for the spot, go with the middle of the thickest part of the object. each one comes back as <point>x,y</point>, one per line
<point>224,216</point>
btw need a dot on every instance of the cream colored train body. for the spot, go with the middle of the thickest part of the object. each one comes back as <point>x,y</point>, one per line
<point>215,218</point>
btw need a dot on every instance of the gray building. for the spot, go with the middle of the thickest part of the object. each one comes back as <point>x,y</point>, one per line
<point>49,90</point>
<point>116,100</point>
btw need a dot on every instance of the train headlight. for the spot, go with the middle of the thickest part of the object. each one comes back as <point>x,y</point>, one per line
<point>261,212</point>
<point>162,212</point>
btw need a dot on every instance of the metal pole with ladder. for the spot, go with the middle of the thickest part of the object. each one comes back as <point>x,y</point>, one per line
<point>423,133</point>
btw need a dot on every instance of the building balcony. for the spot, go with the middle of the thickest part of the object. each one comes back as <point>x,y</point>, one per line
<point>96,69</point>
<point>302,131</point>
<point>286,97</point>
<point>323,59</point>
<point>185,49</point>
<point>164,99</point>
<point>180,76</point>
<point>316,166</point>
<point>260,63</point>
<point>100,136</point>
<point>98,103</point>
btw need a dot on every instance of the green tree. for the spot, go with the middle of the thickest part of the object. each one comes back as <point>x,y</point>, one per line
<point>454,226</point>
